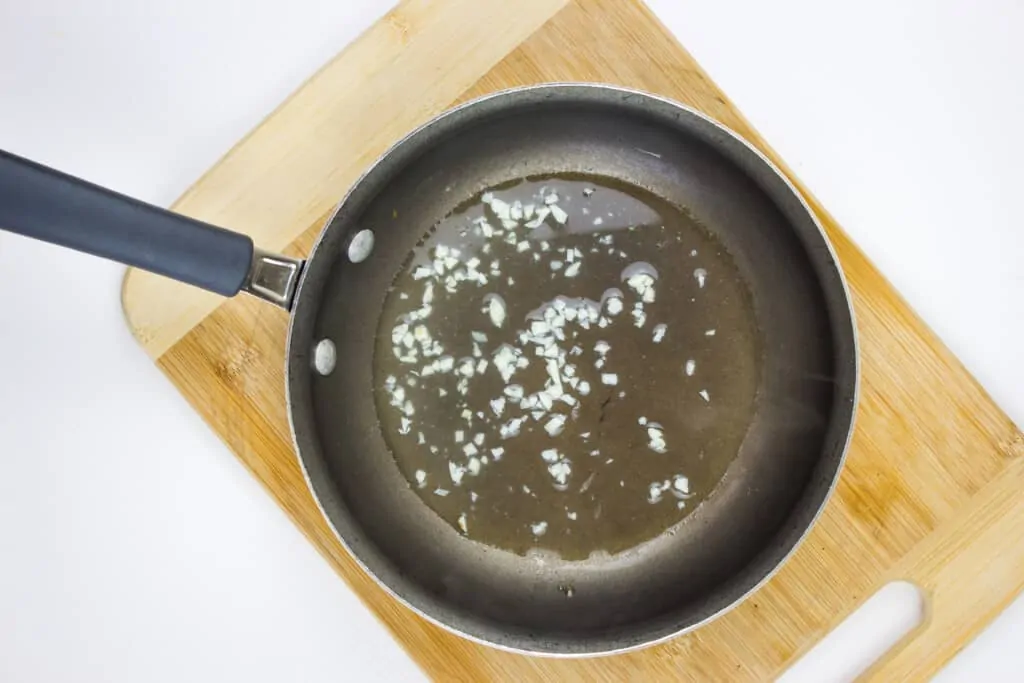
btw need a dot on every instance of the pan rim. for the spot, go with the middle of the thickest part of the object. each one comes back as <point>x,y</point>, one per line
<point>539,644</point>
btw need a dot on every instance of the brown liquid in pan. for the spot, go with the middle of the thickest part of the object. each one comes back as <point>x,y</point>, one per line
<point>631,458</point>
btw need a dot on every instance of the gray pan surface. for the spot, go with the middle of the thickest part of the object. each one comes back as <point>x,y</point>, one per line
<point>791,452</point>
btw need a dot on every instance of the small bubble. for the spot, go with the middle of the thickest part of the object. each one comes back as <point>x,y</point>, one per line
<point>325,357</point>
<point>361,246</point>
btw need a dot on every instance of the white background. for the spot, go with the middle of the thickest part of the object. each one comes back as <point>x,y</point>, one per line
<point>134,547</point>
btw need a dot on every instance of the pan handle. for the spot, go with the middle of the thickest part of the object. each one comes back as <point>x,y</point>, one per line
<point>40,202</point>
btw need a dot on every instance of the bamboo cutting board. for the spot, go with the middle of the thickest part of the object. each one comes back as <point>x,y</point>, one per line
<point>930,490</point>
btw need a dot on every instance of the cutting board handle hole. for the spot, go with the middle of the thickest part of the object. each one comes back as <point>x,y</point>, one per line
<point>881,622</point>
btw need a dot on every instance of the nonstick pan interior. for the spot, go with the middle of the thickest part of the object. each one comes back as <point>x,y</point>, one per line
<point>790,455</point>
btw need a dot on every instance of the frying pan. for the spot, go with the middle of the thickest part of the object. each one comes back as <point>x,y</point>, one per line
<point>792,449</point>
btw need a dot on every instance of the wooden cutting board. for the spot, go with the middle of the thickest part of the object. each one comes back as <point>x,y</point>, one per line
<point>930,493</point>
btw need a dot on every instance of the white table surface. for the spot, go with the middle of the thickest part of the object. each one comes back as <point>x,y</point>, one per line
<point>136,548</point>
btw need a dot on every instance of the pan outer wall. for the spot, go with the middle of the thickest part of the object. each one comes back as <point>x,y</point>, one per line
<point>771,494</point>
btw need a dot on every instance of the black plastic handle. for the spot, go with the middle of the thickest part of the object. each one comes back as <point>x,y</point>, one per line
<point>40,202</point>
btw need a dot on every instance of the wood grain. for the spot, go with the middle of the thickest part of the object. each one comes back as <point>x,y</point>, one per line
<point>929,490</point>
